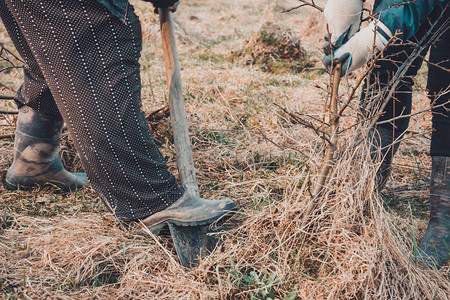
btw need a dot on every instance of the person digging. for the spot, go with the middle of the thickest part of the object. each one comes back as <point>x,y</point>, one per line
<point>81,68</point>
<point>353,46</point>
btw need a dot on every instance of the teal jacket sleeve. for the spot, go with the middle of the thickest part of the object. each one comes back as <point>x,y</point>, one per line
<point>116,7</point>
<point>405,18</point>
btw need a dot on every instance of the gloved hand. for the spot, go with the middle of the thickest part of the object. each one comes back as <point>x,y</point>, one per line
<point>343,18</point>
<point>172,5</point>
<point>360,48</point>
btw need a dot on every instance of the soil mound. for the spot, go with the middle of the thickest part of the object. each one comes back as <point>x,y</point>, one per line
<point>276,48</point>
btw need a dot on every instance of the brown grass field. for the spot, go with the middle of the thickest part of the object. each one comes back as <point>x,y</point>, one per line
<point>355,244</point>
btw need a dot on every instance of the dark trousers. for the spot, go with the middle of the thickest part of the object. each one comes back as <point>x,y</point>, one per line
<point>437,86</point>
<point>82,66</point>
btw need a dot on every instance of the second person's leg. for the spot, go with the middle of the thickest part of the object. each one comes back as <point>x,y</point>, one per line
<point>436,242</point>
<point>39,124</point>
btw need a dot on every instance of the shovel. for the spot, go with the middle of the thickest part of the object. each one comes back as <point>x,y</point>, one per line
<point>191,242</point>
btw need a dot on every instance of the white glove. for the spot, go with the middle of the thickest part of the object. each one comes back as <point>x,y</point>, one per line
<point>360,48</point>
<point>343,18</point>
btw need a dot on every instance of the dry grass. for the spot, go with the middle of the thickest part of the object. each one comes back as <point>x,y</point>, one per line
<point>355,244</point>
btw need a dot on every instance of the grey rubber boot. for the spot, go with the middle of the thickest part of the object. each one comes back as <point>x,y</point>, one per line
<point>190,211</point>
<point>384,145</point>
<point>36,159</point>
<point>434,249</point>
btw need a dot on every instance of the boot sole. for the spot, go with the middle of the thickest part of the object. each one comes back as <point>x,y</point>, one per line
<point>158,227</point>
<point>14,187</point>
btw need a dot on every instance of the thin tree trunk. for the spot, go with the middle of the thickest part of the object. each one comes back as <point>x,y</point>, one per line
<point>334,128</point>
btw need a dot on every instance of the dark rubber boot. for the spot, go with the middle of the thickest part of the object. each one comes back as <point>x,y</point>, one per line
<point>36,159</point>
<point>434,249</point>
<point>384,145</point>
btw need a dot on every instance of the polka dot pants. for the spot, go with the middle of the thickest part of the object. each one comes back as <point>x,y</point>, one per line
<point>82,64</point>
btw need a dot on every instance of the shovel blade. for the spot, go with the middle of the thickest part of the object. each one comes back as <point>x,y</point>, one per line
<point>191,243</point>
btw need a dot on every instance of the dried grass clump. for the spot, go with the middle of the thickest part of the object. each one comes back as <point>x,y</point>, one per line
<point>87,257</point>
<point>276,48</point>
<point>349,247</point>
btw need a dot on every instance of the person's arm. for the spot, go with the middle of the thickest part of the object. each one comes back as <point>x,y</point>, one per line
<point>404,16</point>
<point>396,16</point>
<point>360,48</point>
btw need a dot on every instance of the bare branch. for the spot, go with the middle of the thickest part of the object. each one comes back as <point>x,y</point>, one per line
<point>320,133</point>
<point>6,112</point>
<point>7,136</point>
<point>413,114</point>
<point>7,97</point>
<point>436,65</point>
<point>304,3</point>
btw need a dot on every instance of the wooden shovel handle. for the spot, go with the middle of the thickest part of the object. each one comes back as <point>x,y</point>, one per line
<point>185,162</point>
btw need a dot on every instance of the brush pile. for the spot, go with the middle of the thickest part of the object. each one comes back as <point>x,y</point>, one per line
<point>276,48</point>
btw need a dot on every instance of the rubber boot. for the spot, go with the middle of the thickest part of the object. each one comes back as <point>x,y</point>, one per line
<point>434,249</point>
<point>384,145</point>
<point>36,159</point>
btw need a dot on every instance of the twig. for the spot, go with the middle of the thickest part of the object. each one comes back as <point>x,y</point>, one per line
<point>7,97</point>
<point>271,141</point>
<point>360,80</point>
<point>5,136</point>
<point>360,122</point>
<point>436,65</point>
<point>320,133</point>
<point>412,114</point>
<point>6,112</point>
<point>305,3</point>
<point>10,53</point>
<point>405,66</point>
<point>312,117</point>
<point>281,147</point>
<point>158,114</point>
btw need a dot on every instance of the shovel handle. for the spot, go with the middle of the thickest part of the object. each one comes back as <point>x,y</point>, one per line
<point>183,148</point>
<point>189,242</point>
